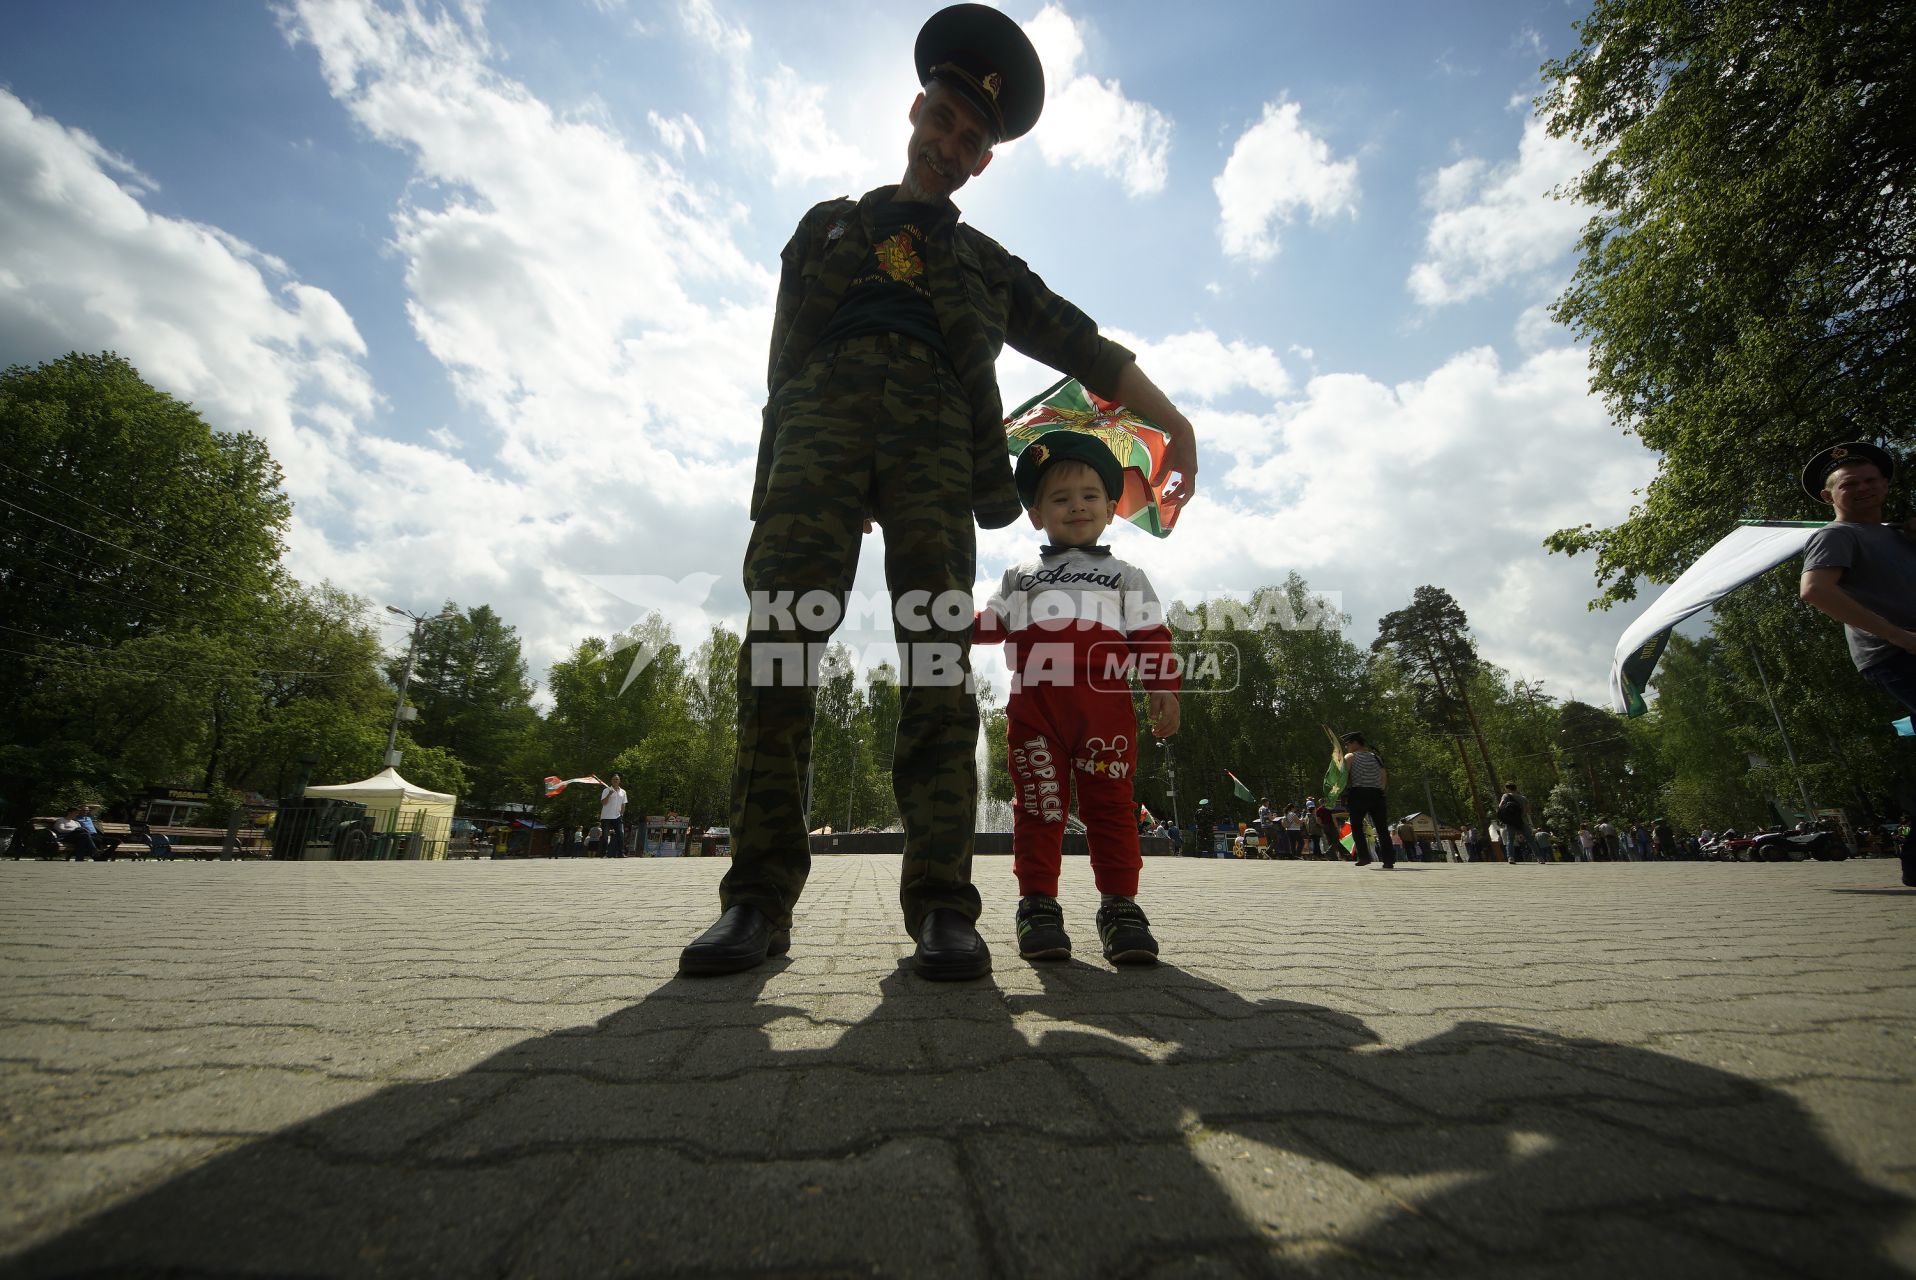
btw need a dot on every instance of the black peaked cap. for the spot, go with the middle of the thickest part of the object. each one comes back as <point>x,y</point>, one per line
<point>1824,461</point>
<point>985,56</point>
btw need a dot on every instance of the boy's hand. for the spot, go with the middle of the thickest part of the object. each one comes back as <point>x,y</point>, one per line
<point>1164,713</point>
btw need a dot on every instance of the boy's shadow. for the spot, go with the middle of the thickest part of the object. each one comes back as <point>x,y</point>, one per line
<point>1108,1124</point>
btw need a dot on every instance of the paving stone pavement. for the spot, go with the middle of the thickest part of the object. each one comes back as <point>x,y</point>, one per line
<point>491,1069</point>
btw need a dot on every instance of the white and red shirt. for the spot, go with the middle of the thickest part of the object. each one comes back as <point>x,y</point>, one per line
<point>1080,615</point>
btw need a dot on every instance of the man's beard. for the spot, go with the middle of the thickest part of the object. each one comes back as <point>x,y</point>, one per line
<point>947,179</point>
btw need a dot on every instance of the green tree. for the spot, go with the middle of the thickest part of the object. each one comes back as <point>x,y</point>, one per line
<point>1430,639</point>
<point>474,696</point>
<point>684,761</point>
<point>1697,728</point>
<point>712,701</point>
<point>1595,750</point>
<point>601,707</point>
<point>1283,668</point>
<point>1838,724</point>
<point>1745,282</point>
<point>1565,809</point>
<point>128,521</point>
<point>877,806</point>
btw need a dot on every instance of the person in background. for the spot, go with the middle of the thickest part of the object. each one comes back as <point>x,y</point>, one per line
<point>156,843</point>
<point>612,801</point>
<point>1407,839</point>
<point>1313,827</point>
<point>74,830</point>
<point>1293,825</point>
<point>1513,813</point>
<point>1364,795</point>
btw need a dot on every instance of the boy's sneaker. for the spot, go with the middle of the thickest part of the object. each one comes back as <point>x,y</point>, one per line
<point>1126,934</point>
<point>1041,934</point>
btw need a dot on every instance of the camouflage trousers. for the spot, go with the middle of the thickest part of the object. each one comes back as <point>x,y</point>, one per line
<point>879,427</point>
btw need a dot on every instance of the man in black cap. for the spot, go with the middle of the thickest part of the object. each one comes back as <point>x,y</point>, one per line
<point>884,408</point>
<point>1860,571</point>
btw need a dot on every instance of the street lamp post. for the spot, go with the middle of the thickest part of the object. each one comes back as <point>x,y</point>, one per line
<point>1788,750</point>
<point>405,681</point>
<point>1171,784</point>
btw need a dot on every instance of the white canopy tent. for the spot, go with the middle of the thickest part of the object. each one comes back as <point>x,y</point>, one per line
<point>398,807</point>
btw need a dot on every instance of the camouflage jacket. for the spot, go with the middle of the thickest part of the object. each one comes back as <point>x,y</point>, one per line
<point>984,298</point>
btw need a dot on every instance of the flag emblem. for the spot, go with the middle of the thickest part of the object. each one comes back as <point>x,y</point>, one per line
<point>1134,440</point>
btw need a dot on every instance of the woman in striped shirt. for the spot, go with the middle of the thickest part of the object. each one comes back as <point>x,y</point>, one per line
<point>1364,796</point>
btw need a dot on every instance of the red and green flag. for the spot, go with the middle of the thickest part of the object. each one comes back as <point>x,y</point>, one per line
<point>1134,440</point>
<point>1239,790</point>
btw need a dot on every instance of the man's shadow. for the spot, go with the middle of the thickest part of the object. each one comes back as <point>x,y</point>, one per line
<point>1135,1123</point>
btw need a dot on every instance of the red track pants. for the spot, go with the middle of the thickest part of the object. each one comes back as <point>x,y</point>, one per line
<point>1062,736</point>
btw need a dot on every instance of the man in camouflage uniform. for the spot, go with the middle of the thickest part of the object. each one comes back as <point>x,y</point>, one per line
<point>884,408</point>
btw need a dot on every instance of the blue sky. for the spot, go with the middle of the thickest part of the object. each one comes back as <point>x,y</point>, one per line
<point>494,280</point>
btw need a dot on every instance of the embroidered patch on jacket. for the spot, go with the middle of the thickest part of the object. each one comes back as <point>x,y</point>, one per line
<point>898,258</point>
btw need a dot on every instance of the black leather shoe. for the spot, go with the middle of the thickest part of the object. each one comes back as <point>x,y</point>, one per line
<point>949,948</point>
<point>741,940</point>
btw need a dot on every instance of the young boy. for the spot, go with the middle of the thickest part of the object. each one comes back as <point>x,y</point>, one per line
<point>1075,620</point>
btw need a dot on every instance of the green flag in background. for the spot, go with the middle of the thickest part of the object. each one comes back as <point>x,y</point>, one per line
<point>1238,789</point>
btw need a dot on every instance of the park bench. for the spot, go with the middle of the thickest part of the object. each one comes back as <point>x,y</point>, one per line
<point>188,842</point>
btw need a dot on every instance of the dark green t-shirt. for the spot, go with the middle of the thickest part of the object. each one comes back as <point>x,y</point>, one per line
<point>891,294</point>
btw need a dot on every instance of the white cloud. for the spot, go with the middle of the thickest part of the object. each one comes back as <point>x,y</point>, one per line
<point>1200,366</point>
<point>200,313</point>
<point>1494,224</point>
<point>676,131</point>
<point>605,334</point>
<point>1536,329</point>
<point>1278,168</point>
<point>588,303</point>
<point>1088,123</point>
<point>1370,490</point>
<point>775,111</point>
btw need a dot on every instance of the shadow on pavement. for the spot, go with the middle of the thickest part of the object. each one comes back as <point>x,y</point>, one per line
<point>1147,1123</point>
